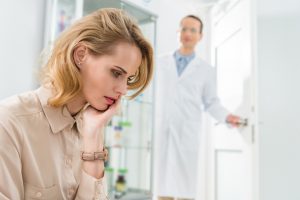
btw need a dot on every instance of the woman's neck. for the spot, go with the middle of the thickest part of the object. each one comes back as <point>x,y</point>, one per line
<point>76,105</point>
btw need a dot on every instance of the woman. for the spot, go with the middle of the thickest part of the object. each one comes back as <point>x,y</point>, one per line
<point>51,139</point>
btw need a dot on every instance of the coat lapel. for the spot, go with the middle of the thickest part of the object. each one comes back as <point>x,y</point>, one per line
<point>189,69</point>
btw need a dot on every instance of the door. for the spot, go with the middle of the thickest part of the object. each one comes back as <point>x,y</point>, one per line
<point>231,167</point>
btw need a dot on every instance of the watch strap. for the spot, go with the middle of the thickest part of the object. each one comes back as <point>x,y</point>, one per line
<point>97,155</point>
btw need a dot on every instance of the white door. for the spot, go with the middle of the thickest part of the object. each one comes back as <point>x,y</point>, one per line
<point>231,170</point>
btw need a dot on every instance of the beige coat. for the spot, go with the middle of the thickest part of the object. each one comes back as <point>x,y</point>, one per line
<point>40,151</point>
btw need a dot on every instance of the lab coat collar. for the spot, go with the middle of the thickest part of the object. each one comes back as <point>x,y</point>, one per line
<point>171,66</point>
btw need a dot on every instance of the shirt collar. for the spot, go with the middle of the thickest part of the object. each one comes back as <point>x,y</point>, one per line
<point>178,55</point>
<point>58,117</point>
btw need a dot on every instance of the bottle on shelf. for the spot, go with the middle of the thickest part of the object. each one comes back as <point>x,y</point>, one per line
<point>121,187</point>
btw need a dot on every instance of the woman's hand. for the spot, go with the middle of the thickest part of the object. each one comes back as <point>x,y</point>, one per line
<point>94,122</point>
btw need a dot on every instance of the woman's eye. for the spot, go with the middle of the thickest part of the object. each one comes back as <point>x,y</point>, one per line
<point>116,74</point>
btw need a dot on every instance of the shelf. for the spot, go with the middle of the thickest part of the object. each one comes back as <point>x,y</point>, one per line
<point>143,16</point>
<point>129,147</point>
<point>133,194</point>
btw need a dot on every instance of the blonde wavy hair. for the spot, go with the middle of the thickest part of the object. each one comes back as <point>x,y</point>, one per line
<point>100,31</point>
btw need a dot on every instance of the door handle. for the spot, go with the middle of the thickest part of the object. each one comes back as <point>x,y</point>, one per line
<point>243,122</point>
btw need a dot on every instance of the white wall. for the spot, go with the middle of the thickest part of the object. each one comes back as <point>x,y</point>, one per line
<point>278,46</point>
<point>21,39</point>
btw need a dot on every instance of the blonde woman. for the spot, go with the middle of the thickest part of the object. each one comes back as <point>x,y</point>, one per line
<point>51,139</point>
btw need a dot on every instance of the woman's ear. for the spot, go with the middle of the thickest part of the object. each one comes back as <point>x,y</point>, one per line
<point>79,55</point>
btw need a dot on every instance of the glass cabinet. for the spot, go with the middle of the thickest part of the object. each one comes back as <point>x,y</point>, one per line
<point>129,135</point>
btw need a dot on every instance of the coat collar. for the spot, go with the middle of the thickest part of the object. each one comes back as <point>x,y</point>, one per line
<point>59,118</point>
<point>193,64</point>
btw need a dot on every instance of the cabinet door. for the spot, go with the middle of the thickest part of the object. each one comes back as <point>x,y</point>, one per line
<point>129,138</point>
<point>59,15</point>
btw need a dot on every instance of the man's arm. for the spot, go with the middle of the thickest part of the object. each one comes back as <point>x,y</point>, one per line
<point>212,102</point>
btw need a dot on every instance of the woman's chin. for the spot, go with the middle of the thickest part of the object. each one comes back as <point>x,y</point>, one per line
<point>100,108</point>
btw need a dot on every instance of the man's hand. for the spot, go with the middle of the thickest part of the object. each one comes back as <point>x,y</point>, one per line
<point>233,120</point>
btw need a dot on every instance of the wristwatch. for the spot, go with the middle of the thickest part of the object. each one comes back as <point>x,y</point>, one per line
<point>91,156</point>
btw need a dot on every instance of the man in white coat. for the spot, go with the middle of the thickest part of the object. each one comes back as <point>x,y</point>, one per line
<point>185,87</point>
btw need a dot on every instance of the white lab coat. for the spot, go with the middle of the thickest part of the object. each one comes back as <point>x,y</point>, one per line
<point>179,103</point>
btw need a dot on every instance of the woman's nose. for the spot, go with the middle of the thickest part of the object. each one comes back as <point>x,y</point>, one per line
<point>122,89</point>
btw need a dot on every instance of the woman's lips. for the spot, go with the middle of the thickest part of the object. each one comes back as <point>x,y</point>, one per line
<point>109,100</point>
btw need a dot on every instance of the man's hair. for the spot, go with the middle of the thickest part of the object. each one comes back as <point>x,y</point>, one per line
<point>196,18</point>
<point>100,32</point>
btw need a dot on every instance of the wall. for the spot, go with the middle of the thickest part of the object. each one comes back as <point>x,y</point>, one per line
<point>21,39</point>
<point>278,47</point>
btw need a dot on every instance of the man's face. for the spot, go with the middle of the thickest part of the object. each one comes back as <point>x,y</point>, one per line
<point>190,32</point>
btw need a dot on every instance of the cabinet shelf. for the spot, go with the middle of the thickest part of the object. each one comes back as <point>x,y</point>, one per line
<point>129,147</point>
<point>133,194</point>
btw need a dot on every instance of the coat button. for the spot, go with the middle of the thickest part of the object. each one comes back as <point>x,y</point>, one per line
<point>68,162</point>
<point>71,192</point>
<point>38,194</point>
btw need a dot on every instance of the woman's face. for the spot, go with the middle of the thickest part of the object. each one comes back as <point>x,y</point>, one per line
<point>105,77</point>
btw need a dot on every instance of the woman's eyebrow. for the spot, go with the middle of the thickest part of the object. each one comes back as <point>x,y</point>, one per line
<point>123,70</point>
<point>120,68</point>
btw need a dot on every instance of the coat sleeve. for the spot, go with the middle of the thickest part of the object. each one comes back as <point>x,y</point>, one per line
<point>210,99</point>
<point>91,188</point>
<point>11,182</point>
